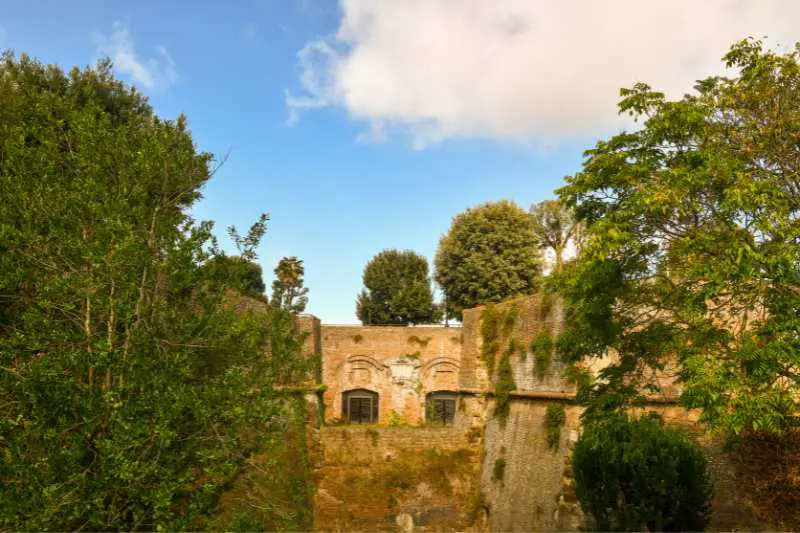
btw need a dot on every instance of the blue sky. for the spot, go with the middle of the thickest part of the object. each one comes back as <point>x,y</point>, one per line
<point>389,141</point>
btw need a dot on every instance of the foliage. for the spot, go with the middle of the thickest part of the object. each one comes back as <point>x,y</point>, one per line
<point>556,227</point>
<point>542,348</point>
<point>635,475</point>
<point>422,343</point>
<point>274,490</point>
<point>504,385</point>
<point>125,368</point>
<point>497,323</point>
<point>397,290</point>
<point>396,420</point>
<point>499,470</point>
<point>357,338</point>
<point>288,291</point>
<point>692,257</point>
<point>554,419</point>
<point>767,471</point>
<point>242,275</point>
<point>490,254</point>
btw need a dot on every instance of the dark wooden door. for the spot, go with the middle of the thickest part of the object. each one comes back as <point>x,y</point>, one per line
<point>444,411</point>
<point>361,410</point>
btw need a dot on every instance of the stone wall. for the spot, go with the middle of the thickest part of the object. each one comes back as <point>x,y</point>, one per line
<point>385,479</point>
<point>527,496</point>
<point>401,364</point>
<point>536,318</point>
<point>536,492</point>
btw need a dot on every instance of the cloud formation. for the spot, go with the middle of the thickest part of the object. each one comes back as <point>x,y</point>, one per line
<point>153,72</point>
<point>518,69</point>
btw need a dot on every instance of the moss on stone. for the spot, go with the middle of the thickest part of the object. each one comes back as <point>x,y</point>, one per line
<point>499,470</point>
<point>422,343</point>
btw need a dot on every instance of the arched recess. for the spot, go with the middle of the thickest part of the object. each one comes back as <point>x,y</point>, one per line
<point>440,373</point>
<point>366,360</point>
<point>363,371</point>
<point>360,406</point>
<point>440,407</point>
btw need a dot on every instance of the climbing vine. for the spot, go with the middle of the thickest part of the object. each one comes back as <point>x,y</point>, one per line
<point>496,325</point>
<point>542,348</point>
<point>504,385</point>
<point>554,419</point>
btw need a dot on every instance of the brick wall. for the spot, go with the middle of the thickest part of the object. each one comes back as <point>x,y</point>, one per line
<point>371,476</point>
<point>401,364</point>
<point>536,315</point>
<point>537,493</point>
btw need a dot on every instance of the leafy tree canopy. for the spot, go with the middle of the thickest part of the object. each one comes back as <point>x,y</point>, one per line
<point>397,290</point>
<point>129,385</point>
<point>635,475</point>
<point>491,253</point>
<point>239,273</point>
<point>692,261</point>
<point>288,291</point>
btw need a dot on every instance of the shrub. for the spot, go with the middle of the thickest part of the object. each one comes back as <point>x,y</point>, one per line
<point>634,474</point>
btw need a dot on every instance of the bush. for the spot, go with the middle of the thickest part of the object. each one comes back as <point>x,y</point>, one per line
<point>633,474</point>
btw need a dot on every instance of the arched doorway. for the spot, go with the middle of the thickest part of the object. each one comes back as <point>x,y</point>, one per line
<point>440,407</point>
<point>360,406</point>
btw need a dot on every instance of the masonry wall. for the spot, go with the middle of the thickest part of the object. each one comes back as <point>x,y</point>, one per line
<point>389,479</point>
<point>401,364</point>
<point>536,491</point>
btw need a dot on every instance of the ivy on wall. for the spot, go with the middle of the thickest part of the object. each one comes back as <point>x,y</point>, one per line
<point>554,419</point>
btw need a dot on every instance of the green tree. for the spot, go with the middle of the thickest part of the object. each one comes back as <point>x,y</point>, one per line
<point>129,384</point>
<point>491,253</point>
<point>243,275</point>
<point>556,228</point>
<point>397,290</point>
<point>635,475</point>
<point>288,291</point>
<point>692,258</point>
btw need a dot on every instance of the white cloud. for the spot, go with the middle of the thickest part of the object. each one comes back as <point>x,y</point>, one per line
<point>154,72</point>
<point>519,69</point>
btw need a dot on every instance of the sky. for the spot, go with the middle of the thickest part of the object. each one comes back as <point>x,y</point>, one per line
<point>363,125</point>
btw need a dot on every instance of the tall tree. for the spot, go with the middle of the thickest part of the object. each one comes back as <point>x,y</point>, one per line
<point>241,274</point>
<point>694,247</point>
<point>491,253</point>
<point>556,227</point>
<point>288,291</point>
<point>123,368</point>
<point>397,290</point>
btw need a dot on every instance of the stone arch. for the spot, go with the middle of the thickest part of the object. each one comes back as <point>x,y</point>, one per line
<point>363,370</point>
<point>440,373</point>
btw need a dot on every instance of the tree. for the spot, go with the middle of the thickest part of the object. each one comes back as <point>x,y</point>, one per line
<point>240,274</point>
<point>692,259</point>
<point>130,387</point>
<point>491,253</point>
<point>397,290</point>
<point>287,290</point>
<point>556,227</point>
<point>632,474</point>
